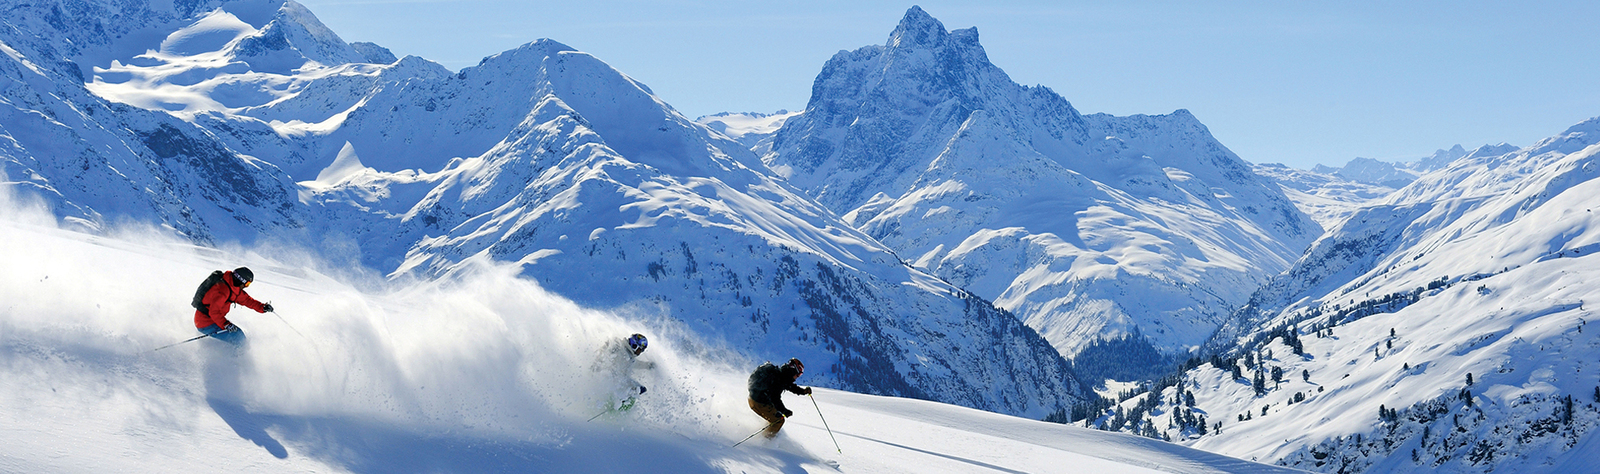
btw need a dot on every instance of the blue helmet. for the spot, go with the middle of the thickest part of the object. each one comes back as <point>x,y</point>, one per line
<point>637,343</point>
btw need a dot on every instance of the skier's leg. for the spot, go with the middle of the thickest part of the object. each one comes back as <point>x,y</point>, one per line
<point>235,337</point>
<point>769,413</point>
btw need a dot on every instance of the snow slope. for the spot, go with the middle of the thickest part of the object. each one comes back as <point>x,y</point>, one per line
<point>482,372</point>
<point>1443,330</point>
<point>1088,227</point>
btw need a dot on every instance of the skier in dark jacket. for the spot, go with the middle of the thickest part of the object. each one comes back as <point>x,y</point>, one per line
<point>212,317</point>
<point>767,384</point>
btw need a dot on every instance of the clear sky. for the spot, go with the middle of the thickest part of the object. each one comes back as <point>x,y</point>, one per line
<point>1300,83</point>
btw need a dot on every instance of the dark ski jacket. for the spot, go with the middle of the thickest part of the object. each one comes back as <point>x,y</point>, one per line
<point>768,382</point>
<point>220,299</point>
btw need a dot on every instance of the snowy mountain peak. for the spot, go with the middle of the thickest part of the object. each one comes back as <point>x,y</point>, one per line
<point>1382,173</point>
<point>1492,150</point>
<point>1590,127</point>
<point>1441,158</point>
<point>1575,138</point>
<point>921,45</point>
<point>312,38</point>
<point>918,28</point>
<point>1007,190</point>
<point>374,53</point>
<point>536,50</point>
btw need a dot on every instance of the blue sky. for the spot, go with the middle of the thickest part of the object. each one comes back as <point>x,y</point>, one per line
<point>1300,83</point>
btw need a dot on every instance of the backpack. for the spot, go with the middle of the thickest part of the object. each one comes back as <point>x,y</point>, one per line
<point>761,381</point>
<point>205,286</point>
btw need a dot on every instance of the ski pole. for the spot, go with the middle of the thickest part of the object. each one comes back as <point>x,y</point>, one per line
<point>597,416</point>
<point>825,423</point>
<point>752,435</point>
<point>285,321</point>
<point>186,340</point>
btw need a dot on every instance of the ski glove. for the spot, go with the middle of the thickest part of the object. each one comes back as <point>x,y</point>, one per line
<point>786,413</point>
<point>805,391</point>
<point>230,328</point>
<point>267,307</point>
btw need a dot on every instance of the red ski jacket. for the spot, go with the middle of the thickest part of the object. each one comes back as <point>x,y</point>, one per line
<point>221,298</point>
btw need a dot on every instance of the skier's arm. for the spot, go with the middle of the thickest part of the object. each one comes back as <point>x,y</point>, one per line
<point>245,300</point>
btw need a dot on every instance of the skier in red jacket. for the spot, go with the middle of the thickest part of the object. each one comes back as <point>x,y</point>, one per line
<point>212,317</point>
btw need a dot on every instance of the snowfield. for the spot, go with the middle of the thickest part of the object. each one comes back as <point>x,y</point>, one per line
<point>484,372</point>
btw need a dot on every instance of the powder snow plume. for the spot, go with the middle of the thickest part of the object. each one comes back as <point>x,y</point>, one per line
<point>371,376</point>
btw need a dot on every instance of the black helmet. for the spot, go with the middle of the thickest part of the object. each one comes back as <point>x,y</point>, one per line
<point>637,343</point>
<point>243,276</point>
<point>799,368</point>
